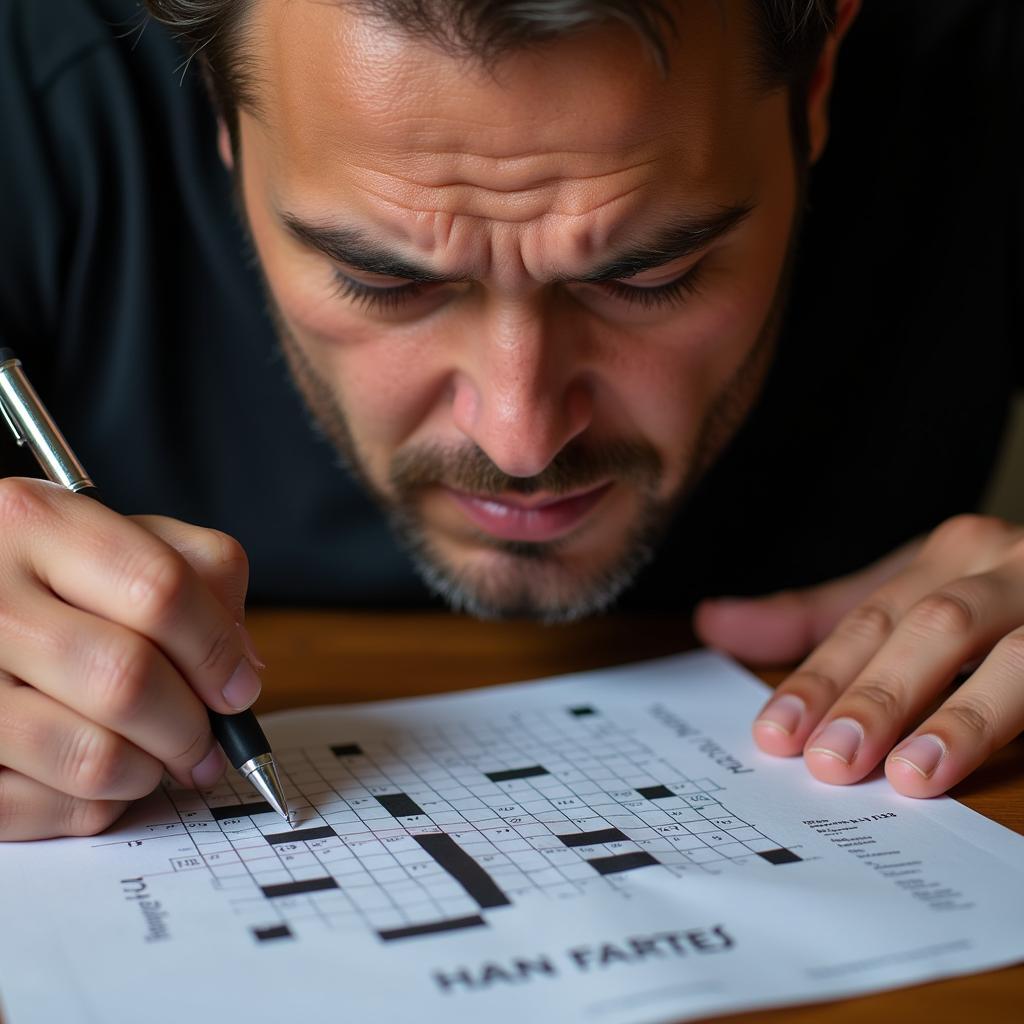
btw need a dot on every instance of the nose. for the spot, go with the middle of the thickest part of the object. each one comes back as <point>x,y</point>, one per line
<point>521,392</point>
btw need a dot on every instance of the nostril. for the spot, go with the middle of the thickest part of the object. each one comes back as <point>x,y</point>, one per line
<point>465,405</point>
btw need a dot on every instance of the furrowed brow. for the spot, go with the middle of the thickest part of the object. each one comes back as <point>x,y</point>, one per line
<point>355,248</point>
<point>683,237</point>
<point>358,250</point>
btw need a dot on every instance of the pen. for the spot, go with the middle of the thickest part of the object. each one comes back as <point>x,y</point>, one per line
<point>240,735</point>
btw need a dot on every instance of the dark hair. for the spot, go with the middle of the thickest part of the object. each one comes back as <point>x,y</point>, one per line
<point>792,32</point>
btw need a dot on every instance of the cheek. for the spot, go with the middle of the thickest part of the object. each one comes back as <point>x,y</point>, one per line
<point>385,379</point>
<point>680,371</point>
<point>387,382</point>
<point>387,385</point>
<point>666,378</point>
<point>665,382</point>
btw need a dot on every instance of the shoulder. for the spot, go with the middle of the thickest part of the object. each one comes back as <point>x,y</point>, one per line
<point>89,92</point>
<point>84,49</point>
<point>41,40</point>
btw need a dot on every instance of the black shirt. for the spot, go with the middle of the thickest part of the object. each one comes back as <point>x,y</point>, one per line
<point>128,289</point>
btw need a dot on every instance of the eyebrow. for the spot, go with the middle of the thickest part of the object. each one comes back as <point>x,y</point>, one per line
<point>356,249</point>
<point>681,237</point>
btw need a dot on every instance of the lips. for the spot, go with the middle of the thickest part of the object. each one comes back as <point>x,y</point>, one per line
<point>533,519</point>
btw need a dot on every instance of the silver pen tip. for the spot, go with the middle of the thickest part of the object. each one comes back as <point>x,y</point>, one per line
<point>265,778</point>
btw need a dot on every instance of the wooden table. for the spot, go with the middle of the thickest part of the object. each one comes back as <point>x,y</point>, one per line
<point>332,657</point>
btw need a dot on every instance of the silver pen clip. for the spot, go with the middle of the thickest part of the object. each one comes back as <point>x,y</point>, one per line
<point>19,435</point>
<point>32,425</point>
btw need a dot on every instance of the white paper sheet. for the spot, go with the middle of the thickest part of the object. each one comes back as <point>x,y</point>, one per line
<point>607,848</point>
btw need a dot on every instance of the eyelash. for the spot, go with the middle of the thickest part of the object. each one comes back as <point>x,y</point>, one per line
<point>671,294</point>
<point>376,299</point>
<point>388,299</point>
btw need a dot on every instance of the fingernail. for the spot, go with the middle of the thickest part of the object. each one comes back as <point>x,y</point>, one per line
<point>783,713</point>
<point>250,650</point>
<point>923,753</point>
<point>209,771</point>
<point>840,739</point>
<point>243,687</point>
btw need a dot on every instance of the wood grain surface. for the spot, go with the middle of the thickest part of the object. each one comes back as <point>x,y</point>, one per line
<point>333,657</point>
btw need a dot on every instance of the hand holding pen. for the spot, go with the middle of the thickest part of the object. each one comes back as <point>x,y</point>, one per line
<point>121,653</point>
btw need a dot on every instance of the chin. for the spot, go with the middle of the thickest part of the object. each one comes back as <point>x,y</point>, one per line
<point>542,582</point>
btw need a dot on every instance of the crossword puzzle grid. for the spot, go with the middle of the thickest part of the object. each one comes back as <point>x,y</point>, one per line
<point>421,832</point>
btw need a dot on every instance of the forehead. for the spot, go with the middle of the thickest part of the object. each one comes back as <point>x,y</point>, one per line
<point>347,103</point>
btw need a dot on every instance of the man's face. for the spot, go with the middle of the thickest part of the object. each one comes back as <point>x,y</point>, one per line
<point>529,303</point>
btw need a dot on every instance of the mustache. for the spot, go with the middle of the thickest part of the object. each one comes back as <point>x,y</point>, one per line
<point>469,468</point>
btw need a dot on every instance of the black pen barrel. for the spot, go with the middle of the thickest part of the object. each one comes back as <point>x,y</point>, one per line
<point>240,735</point>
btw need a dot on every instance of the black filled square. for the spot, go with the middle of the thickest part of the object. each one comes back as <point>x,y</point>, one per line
<point>240,810</point>
<point>300,835</point>
<point>604,835</point>
<point>399,805</point>
<point>434,928</point>
<point>346,750</point>
<point>655,792</point>
<point>511,774</point>
<point>779,856</point>
<point>621,862</point>
<point>307,885</point>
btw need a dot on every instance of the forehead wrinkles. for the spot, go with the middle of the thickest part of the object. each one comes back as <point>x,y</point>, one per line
<point>507,191</point>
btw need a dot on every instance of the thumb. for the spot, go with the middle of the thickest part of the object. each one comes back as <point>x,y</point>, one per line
<point>774,630</point>
<point>783,628</point>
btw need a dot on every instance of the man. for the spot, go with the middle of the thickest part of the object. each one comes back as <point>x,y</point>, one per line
<point>550,279</point>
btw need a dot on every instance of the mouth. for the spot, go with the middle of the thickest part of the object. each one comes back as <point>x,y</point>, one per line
<point>533,519</point>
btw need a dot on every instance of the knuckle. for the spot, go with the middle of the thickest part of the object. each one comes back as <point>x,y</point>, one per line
<point>156,586</point>
<point>967,530</point>
<point>873,621</point>
<point>883,698</point>
<point>226,553</point>
<point>948,611</point>
<point>221,652</point>
<point>92,763</point>
<point>89,817</point>
<point>21,502</point>
<point>118,677</point>
<point>975,716</point>
<point>1011,652</point>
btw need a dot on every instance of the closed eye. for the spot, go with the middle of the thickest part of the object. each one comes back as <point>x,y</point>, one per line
<point>376,298</point>
<point>672,293</point>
